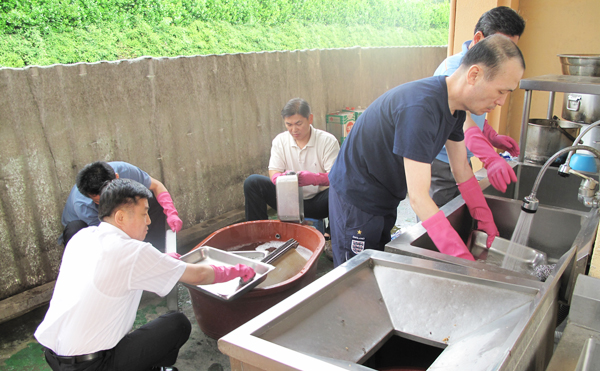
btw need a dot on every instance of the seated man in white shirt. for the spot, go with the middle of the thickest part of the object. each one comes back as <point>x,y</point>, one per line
<point>103,272</point>
<point>303,149</point>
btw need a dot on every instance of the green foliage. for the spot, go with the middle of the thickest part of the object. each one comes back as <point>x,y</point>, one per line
<point>111,42</point>
<point>43,32</point>
<point>66,15</point>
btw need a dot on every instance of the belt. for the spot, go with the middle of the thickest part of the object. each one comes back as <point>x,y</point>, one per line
<point>78,359</point>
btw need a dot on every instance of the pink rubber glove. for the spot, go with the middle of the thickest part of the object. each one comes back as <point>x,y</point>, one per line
<point>224,274</point>
<point>503,142</point>
<point>277,175</point>
<point>445,237</point>
<point>479,209</point>
<point>174,255</point>
<point>499,171</point>
<point>317,179</point>
<point>164,199</point>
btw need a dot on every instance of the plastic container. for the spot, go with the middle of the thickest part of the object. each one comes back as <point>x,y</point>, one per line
<point>583,162</point>
<point>217,318</point>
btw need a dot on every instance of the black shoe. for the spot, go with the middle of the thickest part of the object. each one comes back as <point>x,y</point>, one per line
<point>164,369</point>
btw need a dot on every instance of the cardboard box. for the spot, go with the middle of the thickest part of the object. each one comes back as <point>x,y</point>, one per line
<point>357,111</point>
<point>340,123</point>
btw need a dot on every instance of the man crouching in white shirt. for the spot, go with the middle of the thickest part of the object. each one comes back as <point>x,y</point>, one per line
<point>102,275</point>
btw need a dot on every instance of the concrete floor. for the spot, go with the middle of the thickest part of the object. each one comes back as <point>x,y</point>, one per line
<point>19,351</point>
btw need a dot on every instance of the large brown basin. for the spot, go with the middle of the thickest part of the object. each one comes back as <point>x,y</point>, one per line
<point>216,317</point>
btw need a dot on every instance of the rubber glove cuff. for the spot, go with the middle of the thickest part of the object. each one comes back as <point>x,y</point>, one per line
<point>479,209</point>
<point>165,200</point>
<point>445,238</point>
<point>224,274</point>
<point>317,179</point>
<point>174,255</point>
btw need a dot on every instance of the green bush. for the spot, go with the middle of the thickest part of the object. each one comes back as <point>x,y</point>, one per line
<point>111,42</point>
<point>66,15</point>
<point>43,32</point>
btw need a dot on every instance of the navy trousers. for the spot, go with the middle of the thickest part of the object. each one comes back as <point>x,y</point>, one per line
<point>353,230</point>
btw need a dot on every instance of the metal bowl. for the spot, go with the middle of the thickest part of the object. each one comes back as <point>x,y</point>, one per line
<point>580,64</point>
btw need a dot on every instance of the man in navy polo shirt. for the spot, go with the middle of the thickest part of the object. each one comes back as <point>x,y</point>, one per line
<point>390,149</point>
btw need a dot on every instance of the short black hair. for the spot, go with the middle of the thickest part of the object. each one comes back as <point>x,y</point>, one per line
<point>492,52</point>
<point>502,20</point>
<point>296,106</point>
<point>92,177</point>
<point>120,192</point>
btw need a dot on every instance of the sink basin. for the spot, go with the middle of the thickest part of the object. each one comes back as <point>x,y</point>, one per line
<point>552,231</point>
<point>554,189</point>
<point>454,317</point>
<point>558,226</point>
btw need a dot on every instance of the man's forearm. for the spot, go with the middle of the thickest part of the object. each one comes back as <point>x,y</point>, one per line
<point>157,187</point>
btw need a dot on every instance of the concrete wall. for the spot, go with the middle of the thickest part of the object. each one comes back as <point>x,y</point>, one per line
<point>199,124</point>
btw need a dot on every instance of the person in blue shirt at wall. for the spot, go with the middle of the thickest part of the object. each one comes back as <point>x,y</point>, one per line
<point>81,208</point>
<point>480,137</point>
<point>389,152</point>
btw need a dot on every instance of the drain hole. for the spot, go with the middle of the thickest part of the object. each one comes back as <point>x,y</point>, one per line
<point>278,236</point>
<point>398,353</point>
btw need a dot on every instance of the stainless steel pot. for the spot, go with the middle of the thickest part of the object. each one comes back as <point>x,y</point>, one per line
<point>546,137</point>
<point>580,64</point>
<point>584,108</point>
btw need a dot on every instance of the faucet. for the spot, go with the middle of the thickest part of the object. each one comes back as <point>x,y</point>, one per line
<point>587,190</point>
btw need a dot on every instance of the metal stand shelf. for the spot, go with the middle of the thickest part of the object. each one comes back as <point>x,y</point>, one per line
<point>553,84</point>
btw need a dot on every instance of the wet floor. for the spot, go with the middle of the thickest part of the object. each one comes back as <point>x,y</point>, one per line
<point>19,351</point>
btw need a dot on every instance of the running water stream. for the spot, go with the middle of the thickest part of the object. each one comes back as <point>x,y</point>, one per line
<point>515,253</point>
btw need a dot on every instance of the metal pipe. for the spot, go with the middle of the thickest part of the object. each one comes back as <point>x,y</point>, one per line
<point>550,106</point>
<point>553,158</point>
<point>524,121</point>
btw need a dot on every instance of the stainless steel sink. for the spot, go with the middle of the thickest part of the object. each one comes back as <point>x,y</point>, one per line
<point>467,319</point>
<point>555,229</point>
<point>554,189</point>
<point>578,348</point>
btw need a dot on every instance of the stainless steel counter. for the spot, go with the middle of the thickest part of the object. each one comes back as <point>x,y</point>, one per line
<point>478,320</point>
<point>577,349</point>
<point>553,84</point>
<point>562,83</point>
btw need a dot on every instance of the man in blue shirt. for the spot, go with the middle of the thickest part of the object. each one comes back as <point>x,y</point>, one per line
<point>81,208</point>
<point>390,149</point>
<point>480,137</point>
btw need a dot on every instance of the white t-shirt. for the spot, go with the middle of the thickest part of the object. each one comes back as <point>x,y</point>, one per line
<point>99,287</point>
<point>317,156</point>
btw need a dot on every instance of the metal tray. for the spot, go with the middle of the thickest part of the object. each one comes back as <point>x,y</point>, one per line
<point>529,258</point>
<point>254,255</point>
<point>230,290</point>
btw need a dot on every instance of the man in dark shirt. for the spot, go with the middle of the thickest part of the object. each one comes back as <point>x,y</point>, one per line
<point>390,149</point>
